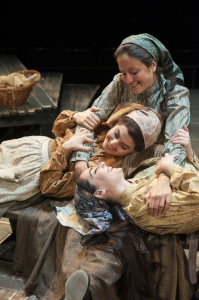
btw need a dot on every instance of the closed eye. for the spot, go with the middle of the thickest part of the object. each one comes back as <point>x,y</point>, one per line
<point>117,133</point>
<point>95,170</point>
<point>124,148</point>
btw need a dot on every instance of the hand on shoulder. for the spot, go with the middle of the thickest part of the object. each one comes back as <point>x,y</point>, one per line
<point>87,118</point>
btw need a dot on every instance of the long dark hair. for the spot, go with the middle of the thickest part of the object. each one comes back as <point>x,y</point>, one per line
<point>135,52</point>
<point>139,169</point>
<point>146,58</point>
<point>137,281</point>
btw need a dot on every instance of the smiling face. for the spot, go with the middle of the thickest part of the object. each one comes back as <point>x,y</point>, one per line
<point>106,179</point>
<point>118,141</point>
<point>136,74</point>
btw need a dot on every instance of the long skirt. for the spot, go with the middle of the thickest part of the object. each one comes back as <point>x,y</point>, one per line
<point>21,161</point>
<point>48,253</point>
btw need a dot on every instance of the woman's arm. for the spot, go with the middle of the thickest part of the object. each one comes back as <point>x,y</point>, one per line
<point>179,115</point>
<point>182,137</point>
<point>181,179</point>
<point>165,163</point>
<point>159,196</point>
<point>56,178</point>
<point>106,103</point>
<point>194,161</point>
<point>62,122</point>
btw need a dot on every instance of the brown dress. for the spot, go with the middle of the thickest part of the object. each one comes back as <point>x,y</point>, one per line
<point>57,178</point>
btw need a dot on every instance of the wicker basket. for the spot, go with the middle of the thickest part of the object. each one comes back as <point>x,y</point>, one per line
<point>17,95</point>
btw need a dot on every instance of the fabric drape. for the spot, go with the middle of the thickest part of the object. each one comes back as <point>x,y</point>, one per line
<point>50,253</point>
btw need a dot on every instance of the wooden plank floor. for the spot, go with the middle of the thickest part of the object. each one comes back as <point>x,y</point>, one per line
<point>8,294</point>
<point>11,282</point>
<point>5,229</point>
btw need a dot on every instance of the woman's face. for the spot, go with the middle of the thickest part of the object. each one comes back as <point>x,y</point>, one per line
<point>103,177</point>
<point>118,142</point>
<point>136,74</point>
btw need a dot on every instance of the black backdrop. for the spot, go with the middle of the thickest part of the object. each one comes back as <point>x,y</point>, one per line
<point>78,38</point>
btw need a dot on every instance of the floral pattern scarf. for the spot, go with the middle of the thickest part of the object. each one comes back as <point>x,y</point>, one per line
<point>97,213</point>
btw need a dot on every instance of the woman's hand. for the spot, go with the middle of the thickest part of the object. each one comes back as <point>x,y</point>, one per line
<point>165,163</point>
<point>182,137</point>
<point>76,142</point>
<point>87,118</point>
<point>159,196</point>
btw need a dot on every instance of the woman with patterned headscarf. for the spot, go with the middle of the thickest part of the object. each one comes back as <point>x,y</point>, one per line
<point>148,76</point>
<point>128,130</point>
<point>40,164</point>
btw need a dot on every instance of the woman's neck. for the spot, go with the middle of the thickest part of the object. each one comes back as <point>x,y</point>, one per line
<point>155,78</point>
<point>150,89</point>
<point>119,189</point>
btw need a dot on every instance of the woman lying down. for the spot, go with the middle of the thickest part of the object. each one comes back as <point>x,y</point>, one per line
<point>113,227</point>
<point>31,164</point>
<point>109,185</point>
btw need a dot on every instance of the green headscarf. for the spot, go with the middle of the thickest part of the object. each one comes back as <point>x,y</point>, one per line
<point>163,58</point>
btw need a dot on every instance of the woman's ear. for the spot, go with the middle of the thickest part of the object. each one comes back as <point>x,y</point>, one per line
<point>154,65</point>
<point>100,194</point>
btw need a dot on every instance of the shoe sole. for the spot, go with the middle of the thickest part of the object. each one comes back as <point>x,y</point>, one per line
<point>76,286</point>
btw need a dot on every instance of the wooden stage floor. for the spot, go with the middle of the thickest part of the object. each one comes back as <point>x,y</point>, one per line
<point>11,282</point>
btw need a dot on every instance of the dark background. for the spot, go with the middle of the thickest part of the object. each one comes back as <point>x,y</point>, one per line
<point>79,38</point>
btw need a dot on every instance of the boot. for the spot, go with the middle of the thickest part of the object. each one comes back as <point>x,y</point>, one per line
<point>77,286</point>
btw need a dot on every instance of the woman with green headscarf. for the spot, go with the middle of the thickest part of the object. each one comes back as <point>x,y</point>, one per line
<point>150,77</point>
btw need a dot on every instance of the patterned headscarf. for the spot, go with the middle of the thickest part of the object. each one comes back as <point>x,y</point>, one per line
<point>165,63</point>
<point>149,124</point>
<point>149,121</point>
<point>97,213</point>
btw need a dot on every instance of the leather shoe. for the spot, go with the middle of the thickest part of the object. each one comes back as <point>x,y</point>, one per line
<point>77,286</point>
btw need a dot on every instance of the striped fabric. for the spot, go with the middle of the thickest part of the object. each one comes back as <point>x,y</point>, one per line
<point>178,103</point>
